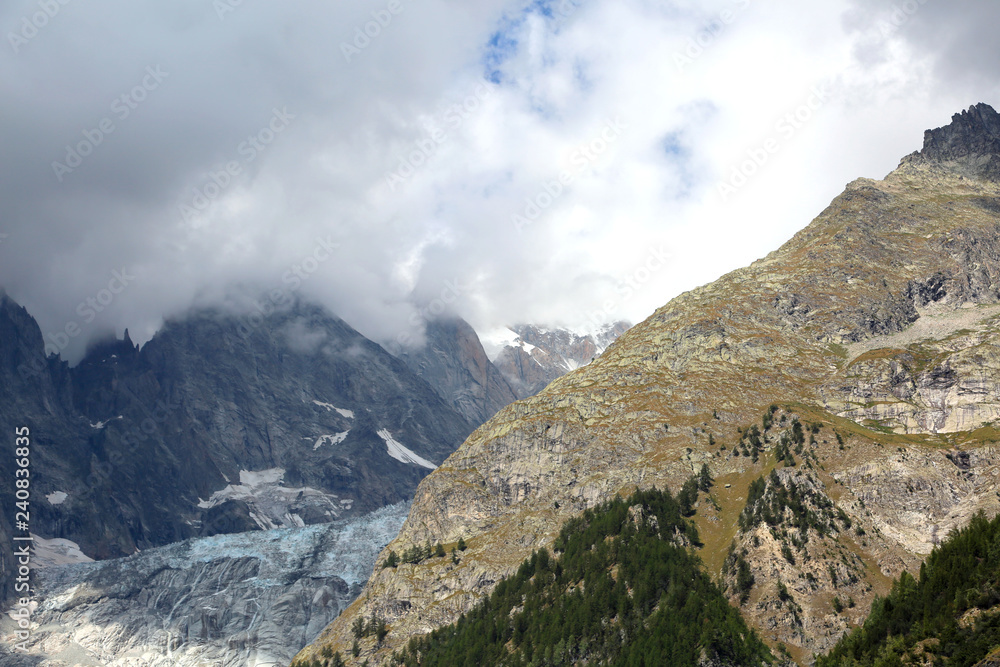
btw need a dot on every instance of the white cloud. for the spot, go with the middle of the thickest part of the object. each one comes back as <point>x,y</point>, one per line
<point>471,152</point>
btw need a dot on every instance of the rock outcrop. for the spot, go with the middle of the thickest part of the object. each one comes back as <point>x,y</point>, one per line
<point>971,142</point>
<point>454,362</point>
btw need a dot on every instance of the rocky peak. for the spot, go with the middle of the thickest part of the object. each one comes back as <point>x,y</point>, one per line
<point>533,356</point>
<point>972,140</point>
<point>106,348</point>
<point>455,364</point>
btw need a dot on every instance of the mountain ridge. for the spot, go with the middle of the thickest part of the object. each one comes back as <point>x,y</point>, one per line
<point>453,361</point>
<point>214,427</point>
<point>532,356</point>
<point>708,364</point>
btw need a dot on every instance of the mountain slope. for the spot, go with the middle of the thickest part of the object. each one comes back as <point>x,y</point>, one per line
<point>948,612</point>
<point>622,588</point>
<point>648,411</point>
<point>219,424</point>
<point>454,362</point>
<point>34,391</point>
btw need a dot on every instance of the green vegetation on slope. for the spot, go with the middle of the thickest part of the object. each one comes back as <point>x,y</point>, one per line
<point>623,591</point>
<point>767,503</point>
<point>946,616</point>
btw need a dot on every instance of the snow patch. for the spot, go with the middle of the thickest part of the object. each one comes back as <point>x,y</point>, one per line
<point>57,498</point>
<point>401,453</point>
<point>100,425</point>
<point>329,407</point>
<point>57,551</point>
<point>496,341</point>
<point>255,479</point>
<point>263,521</point>
<point>271,504</point>
<point>334,439</point>
<point>250,483</point>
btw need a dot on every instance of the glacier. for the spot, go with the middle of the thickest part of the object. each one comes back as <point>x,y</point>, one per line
<point>238,600</point>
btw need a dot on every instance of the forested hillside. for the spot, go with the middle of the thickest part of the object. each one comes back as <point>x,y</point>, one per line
<point>948,615</point>
<point>622,589</point>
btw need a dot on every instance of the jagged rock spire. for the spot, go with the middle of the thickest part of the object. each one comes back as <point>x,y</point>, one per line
<point>972,141</point>
<point>972,132</point>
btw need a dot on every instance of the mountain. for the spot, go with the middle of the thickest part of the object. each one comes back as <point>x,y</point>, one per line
<point>948,613</point>
<point>530,357</point>
<point>858,361</point>
<point>221,423</point>
<point>621,588</point>
<point>454,362</point>
<point>34,391</point>
<point>234,600</point>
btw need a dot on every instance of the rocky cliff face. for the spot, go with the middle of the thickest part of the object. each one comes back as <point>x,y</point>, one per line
<point>941,375</point>
<point>233,600</point>
<point>821,328</point>
<point>34,391</point>
<point>454,362</point>
<point>222,423</point>
<point>970,144</point>
<point>530,357</point>
<point>855,511</point>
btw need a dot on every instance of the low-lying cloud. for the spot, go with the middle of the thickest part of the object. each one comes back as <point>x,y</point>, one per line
<point>377,157</point>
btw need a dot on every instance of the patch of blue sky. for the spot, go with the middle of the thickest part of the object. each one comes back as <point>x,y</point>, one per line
<point>505,41</point>
<point>674,147</point>
<point>500,47</point>
<point>581,76</point>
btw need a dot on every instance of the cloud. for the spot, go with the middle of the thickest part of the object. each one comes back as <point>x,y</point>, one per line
<point>302,338</point>
<point>554,162</point>
<point>959,38</point>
